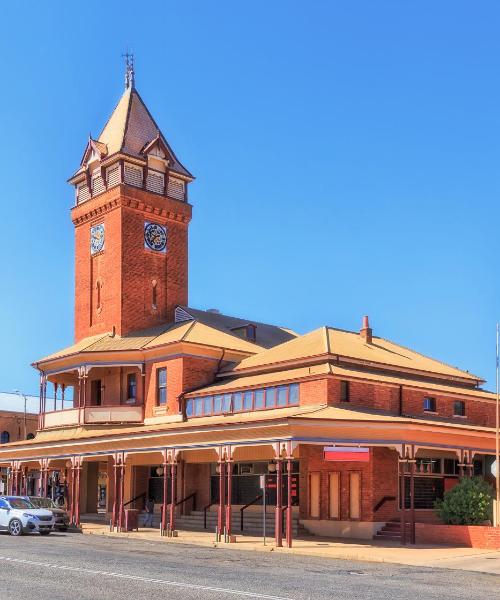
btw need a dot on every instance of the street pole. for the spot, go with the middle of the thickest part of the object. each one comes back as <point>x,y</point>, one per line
<point>497,436</point>
<point>20,394</point>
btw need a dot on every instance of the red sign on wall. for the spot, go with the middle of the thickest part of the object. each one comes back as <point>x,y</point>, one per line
<point>346,453</point>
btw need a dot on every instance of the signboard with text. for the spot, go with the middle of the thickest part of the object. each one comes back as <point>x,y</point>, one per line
<point>346,453</point>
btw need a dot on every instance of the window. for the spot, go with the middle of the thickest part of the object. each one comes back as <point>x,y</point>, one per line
<point>161,386</point>
<point>334,495</point>
<point>154,294</point>
<point>30,436</point>
<point>459,408</point>
<point>98,286</point>
<point>3,504</point>
<point>344,391</point>
<point>5,437</point>
<point>354,495</point>
<point>131,387</point>
<point>430,404</point>
<point>245,401</point>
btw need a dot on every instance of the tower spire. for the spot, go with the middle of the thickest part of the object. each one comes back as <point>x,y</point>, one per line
<point>129,70</point>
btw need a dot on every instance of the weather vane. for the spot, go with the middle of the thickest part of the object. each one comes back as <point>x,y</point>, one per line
<point>129,70</point>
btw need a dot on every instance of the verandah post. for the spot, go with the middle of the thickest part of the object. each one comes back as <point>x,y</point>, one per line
<point>289,503</point>
<point>412,495</point>
<point>165,494</point>
<point>173,495</point>
<point>278,521</point>
<point>401,466</point>
<point>220,511</point>
<point>115,492</point>
<point>229,516</point>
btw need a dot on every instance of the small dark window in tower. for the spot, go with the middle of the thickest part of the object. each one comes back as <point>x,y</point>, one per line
<point>459,408</point>
<point>161,386</point>
<point>344,391</point>
<point>131,387</point>
<point>5,437</point>
<point>154,294</point>
<point>429,404</point>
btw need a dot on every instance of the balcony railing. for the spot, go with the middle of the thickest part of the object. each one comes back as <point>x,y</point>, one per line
<point>92,415</point>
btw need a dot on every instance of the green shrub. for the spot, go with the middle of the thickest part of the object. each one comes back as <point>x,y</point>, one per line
<point>468,503</point>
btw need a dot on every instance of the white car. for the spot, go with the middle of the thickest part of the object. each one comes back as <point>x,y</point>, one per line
<point>18,516</point>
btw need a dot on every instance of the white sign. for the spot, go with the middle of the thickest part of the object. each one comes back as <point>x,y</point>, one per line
<point>494,468</point>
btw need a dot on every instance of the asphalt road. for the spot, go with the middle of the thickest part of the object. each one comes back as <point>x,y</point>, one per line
<point>73,566</point>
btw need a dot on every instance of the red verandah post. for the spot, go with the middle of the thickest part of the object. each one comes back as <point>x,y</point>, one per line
<point>229,467</point>
<point>115,492</point>
<point>289,503</point>
<point>220,512</point>
<point>165,493</point>
<point>402,463</point>
<point>278,522</point>
<point>173,495</point>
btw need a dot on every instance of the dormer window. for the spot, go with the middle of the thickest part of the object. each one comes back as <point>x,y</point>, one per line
<point>247,332</point>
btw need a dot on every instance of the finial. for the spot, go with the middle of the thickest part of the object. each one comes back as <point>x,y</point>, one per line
<point>129,70</point>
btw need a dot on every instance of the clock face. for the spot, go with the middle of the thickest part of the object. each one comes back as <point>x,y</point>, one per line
<point>97,238</point>
<point>155,237</point>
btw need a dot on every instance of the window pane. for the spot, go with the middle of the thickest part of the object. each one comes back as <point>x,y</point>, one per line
<point>247,400</point>
<point>189,408</point>
<point>162,377</point>
<point>131,386</point>
<point>238,401</point>
<point>226,403</point>
<point>430,404</point>
<point>198,406</point>
<point>217,404</point>
<point>207,405</point>
<point>282,393</point>
<point>162,396</point>
<point>459,408</point>
<point>259,399</point>
<point>293,399</point>
<point>270,397</point>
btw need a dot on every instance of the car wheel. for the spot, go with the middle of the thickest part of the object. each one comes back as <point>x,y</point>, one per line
<point>15,527</point>
<point>44,532</point>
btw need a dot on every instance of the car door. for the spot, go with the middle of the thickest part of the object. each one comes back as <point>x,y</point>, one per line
<point>4,513</point>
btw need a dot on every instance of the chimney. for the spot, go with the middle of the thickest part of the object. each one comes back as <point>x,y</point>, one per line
<point>366,331</point>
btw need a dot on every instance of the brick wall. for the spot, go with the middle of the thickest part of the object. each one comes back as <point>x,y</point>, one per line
<point>473,536</point>
<point>327,390</point>
<point>125,270</point>
<point>13,424</point>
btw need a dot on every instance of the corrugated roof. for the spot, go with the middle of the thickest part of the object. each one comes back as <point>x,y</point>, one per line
<point>348,344</point>
<point>252,381</point>
<point>267,335</point>
<point>190,331</point>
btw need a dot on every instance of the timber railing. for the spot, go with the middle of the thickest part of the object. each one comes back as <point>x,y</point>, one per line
<point>143,495</point>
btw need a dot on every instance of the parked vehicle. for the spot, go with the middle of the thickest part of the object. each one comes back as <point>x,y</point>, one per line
<point>61,517</point>
<point>18,516</point>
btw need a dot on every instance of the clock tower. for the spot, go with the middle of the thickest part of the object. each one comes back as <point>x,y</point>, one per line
<point>131,218</point>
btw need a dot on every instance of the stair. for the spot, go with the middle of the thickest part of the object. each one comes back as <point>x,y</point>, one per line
<point>390,531</point>
<point>253,523</point>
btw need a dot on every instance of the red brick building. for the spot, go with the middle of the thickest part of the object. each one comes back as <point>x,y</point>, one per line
<point>350,431</point>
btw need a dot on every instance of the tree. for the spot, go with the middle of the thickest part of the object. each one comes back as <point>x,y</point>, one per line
<point>468,503</point>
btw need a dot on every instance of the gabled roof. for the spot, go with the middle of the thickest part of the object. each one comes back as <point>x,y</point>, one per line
<point>190,331</point>
<point>350,345</point>
<point>266,335</point>
<point>131,128</point>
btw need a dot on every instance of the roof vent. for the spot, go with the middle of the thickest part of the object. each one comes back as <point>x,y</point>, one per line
<point>214,311</point>
<point>366,331</point>
<point>247,332</point>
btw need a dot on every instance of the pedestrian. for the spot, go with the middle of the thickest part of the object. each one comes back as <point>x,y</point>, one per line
<point>149,507</point>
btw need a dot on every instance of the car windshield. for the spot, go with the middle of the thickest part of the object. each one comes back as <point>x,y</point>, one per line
<point>19,503</point>
<point>42,503</point>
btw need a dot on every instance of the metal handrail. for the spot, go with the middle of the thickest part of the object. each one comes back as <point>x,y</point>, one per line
<point>256,499</point>
<point>381,502</point>
<point>143,495</point>
<point>193,496</point>
<point>205,508</point>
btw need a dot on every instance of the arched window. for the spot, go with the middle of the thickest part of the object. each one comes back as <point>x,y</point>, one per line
<point>154,294</point>
<point>98,287</point>
<point>4,437</point>
<point>30,436</point>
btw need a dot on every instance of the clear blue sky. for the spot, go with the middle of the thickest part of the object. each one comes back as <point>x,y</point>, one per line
<point>347,160</point>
